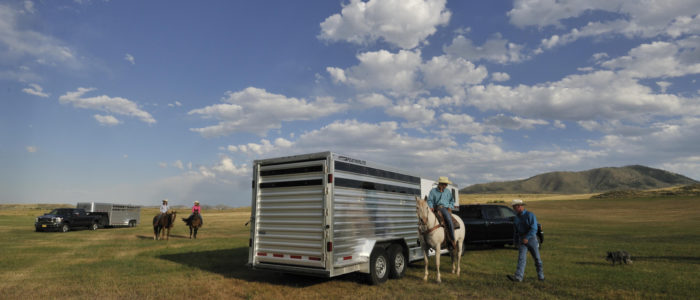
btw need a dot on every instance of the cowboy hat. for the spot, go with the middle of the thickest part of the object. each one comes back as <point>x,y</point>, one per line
<point>196,202</point>
<point>443,179</point>
<point>165,200</point>
<point>516,202</point>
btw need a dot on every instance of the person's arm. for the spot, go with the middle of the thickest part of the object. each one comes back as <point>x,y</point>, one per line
<point>532,222</point>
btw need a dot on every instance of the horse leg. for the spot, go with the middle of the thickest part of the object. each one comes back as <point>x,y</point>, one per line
<point>460,244</point>
<point>195,232</point>
<point>427,263</point>
<point>437,262</point>
<point>155,233</point>
<point>190,232</point>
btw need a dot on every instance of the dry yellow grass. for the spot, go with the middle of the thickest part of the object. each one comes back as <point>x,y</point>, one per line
<point>506,198</point>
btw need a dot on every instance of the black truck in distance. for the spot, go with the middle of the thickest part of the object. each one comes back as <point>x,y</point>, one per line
<point>490,224</point>
<point>64,219</point>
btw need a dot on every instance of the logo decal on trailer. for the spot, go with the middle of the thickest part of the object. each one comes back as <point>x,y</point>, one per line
<point>352,160</point>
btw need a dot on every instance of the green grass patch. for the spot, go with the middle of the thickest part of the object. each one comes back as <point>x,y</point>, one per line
<point>661,233</point>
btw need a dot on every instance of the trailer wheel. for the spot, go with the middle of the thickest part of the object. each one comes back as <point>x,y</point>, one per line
<point>93,226</point>
<point>398,261</point>
<point>65,227</point>
<point>132,223</point>
<point>378,266</point>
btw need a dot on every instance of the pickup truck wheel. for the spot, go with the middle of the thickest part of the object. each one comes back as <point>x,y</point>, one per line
<point>398,262</point>
<point>378,266</point>
<point>93,226</point>
<point>65,227</point>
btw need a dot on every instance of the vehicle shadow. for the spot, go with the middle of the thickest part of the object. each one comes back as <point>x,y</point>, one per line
<point>231,263</point>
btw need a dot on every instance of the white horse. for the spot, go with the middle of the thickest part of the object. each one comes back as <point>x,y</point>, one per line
<point>431,235</point>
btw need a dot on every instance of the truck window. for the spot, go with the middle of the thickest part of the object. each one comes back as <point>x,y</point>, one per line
<point>505,212</point>
<point>492,213</point>
<point>472,213</point>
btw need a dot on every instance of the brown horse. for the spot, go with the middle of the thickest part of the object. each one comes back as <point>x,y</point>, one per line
<point>160,226</point>
<point>195,222</point>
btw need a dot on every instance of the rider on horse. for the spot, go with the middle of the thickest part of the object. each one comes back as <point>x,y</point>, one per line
<point>440,198</point>
<point>196,211</point>
<point>164,208</point>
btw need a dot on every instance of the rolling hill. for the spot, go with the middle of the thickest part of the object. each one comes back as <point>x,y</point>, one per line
<point>599,180</point>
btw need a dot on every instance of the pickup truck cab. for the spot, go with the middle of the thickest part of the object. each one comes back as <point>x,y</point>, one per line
<point>490,224</point>
<point>63,219</point>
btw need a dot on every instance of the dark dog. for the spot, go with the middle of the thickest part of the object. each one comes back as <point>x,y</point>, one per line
<point>619,257</point>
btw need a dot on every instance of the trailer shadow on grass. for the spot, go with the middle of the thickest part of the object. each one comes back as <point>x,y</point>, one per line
<point>231,263</point>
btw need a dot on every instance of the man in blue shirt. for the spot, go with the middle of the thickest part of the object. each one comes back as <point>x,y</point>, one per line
<point>441,198</point>
<point>525,238</point>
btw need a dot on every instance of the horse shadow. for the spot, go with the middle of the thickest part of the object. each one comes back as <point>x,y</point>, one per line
<point>150,237</point>
<point>231,263</point>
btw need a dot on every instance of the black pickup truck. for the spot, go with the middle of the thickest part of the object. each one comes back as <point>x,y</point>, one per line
<point>63,219</point>
<point>490,224</point>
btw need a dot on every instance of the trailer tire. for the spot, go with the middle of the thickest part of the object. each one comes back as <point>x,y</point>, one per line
<point>398,262</point>
<point>132,223</point>
<point>378,266</point>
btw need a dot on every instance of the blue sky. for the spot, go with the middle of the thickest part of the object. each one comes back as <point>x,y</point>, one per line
<point>136,101</point>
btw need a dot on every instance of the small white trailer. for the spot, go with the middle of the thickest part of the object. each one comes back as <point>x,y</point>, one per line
<point>114,214</point>
<point>326,214</point>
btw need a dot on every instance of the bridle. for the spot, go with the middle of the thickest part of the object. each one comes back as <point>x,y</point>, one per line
<point>424,220</point>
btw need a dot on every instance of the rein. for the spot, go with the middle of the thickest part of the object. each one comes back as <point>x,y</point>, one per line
<point>423,223</point>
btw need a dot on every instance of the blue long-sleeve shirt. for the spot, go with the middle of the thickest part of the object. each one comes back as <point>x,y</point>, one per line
<point>525,226</point>
<point>437,198</point>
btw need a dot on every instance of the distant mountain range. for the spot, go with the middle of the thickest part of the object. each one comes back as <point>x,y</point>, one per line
<point>592,181</point>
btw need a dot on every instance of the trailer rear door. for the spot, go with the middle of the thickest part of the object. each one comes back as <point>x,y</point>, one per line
<point>289,213</point>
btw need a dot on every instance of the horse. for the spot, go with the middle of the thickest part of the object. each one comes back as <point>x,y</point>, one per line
<point>194,223</point>
<point>160,226</point>
<point>431,235</point>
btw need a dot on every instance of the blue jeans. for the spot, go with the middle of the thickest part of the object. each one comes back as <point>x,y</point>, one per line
<point>448,221</point>
<point>533,246</point>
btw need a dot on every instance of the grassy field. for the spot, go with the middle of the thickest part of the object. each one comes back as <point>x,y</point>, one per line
<point>662,234</point>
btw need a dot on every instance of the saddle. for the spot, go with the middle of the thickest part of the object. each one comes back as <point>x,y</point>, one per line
<point>448,242</point>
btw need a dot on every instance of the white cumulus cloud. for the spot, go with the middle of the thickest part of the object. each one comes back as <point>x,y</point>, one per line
<point>646,19</point>
<point>106,120</point>
<point>405,74</point>
<point>404,23</point>
<point>36,90</point>
<point>257,111</point>
<point>495,49</point>
<point>115,105</point>
<point>130,58</point>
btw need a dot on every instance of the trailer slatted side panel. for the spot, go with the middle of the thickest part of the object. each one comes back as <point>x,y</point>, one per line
<point>289,216</point>
<point>371,203</point>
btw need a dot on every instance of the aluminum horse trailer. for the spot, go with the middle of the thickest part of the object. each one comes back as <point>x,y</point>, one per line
<point>326,214</point>
<point>114,214</point>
